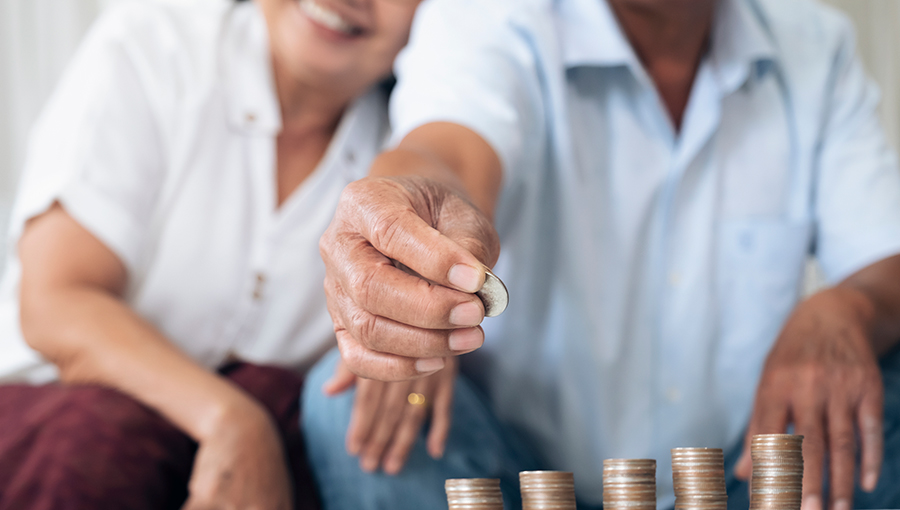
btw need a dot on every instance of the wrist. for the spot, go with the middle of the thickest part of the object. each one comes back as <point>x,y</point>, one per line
<point>229,410</point>
<point>860,304</point>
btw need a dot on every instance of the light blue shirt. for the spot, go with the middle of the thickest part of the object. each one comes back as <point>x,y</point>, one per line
<point>650,269</point>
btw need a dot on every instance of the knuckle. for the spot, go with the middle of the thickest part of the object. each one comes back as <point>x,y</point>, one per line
<point>844,445</point>
<point>363,289</point>
<point>365,329</point>
<point>386,228</point>
<point>352,193</point>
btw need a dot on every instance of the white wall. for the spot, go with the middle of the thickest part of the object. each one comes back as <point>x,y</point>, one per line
<point>878,34</point>
<point>37,37</point>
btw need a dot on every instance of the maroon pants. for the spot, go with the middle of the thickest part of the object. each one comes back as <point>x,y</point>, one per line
<point>86,447</point>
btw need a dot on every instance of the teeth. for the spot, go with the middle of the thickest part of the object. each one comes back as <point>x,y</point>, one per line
<point>326,17</point>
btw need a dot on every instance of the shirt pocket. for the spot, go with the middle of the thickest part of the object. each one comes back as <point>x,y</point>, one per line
<point>760,271</point>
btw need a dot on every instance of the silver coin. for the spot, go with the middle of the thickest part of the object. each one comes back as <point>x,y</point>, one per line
<point>493,294</point>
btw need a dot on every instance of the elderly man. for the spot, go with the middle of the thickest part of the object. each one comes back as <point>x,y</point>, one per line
<point>659,172</point>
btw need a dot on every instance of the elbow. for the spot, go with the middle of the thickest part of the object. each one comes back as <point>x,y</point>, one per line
<point>39,321</point>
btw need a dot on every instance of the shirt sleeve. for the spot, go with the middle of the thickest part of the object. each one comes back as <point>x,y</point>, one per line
<point>96,148</point>
<point>858,186</point>
<point>467,63</point>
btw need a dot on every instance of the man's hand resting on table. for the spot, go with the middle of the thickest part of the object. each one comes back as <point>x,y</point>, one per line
<point>822,376</point>
<point>390,325</point>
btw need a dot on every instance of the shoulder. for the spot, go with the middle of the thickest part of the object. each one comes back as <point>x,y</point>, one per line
<point>160,37</point>
<point>806,30</point>
<point>485,18</point>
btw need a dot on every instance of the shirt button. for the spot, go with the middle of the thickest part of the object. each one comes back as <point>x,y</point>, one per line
<point>258,288</point>
<point>351,157</point>
<point>250,117</point>
<point>673,395</point>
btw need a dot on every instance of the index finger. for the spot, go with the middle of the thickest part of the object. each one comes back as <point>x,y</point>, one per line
<point>770,416</point>
<point>401,234</point>
<point>369,395</point>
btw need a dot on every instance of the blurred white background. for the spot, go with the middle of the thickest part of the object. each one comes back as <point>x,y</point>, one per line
<point>38,36</point>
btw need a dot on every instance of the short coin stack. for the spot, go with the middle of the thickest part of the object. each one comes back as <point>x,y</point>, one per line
<point>547,490</point>
<point>699,478</point>
<point>629,484</point>
<point>474,494</point>
<point>777,482</point>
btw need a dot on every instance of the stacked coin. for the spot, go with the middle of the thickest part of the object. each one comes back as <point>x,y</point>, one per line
<point>699,478</point>
<point>474,494</point>
<point>777,482</point>
<point>629,484</point>
<point>547,490</point>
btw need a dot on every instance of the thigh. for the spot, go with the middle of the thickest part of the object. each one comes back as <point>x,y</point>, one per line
<point>477,447</point>
<point>88,447</point>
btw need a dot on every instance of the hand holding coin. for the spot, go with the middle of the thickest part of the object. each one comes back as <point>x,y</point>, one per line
<point>393,324</point>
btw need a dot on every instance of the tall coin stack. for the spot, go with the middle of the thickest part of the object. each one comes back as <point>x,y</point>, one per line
<point>629,484</point>
<point>547,490</point>
<point>699,478</point>
<point>777,482</point>
<point>474,494</point>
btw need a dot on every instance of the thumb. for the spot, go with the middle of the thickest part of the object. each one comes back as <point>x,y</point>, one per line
<point>342,380</point>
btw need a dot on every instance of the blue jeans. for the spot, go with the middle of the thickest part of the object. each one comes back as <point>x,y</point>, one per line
<point>480,447</point>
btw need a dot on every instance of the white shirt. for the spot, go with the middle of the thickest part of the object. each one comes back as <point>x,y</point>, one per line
<point>161,141</point>
<point>651,270</point>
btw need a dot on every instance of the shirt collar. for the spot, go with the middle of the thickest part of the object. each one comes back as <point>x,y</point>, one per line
<point>246,65</point>
<point>739,42</point>
<point>592,36</point>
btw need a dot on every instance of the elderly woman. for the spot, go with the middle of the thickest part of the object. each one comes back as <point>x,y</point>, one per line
<point>164,292</point>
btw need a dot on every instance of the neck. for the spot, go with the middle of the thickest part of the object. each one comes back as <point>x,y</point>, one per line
<point>307,108</point>
<point>669,37</point>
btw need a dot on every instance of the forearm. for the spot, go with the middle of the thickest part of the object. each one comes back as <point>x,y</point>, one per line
<point>449,154</point>
<point>94,338</point>
<point>878,287</point>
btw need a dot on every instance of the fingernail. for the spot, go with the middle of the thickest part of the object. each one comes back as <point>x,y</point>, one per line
<point>870,481</point>
<point>811,502</point>
<point>392,466</point>
<point>465,277</point>
<point>842,504</point>
<point>353,448</point>
<point>428,365</point>
<point>466,314</point>
<point>465,340</point>
<point>368,465</point>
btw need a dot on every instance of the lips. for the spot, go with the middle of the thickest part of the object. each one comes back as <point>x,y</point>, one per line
<point>329,18</point>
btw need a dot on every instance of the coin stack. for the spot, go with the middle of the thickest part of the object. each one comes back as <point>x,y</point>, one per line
<point>474,494</point>
<point>699,478</point>
<point>629,484</point>
<point>777,482</point>
<point>547,490</point>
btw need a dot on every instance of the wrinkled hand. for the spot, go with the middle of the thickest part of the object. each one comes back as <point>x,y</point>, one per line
<point>241,466</point>
<point>384,425</point>
<point>822,375</point>
<point>390,325</point>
